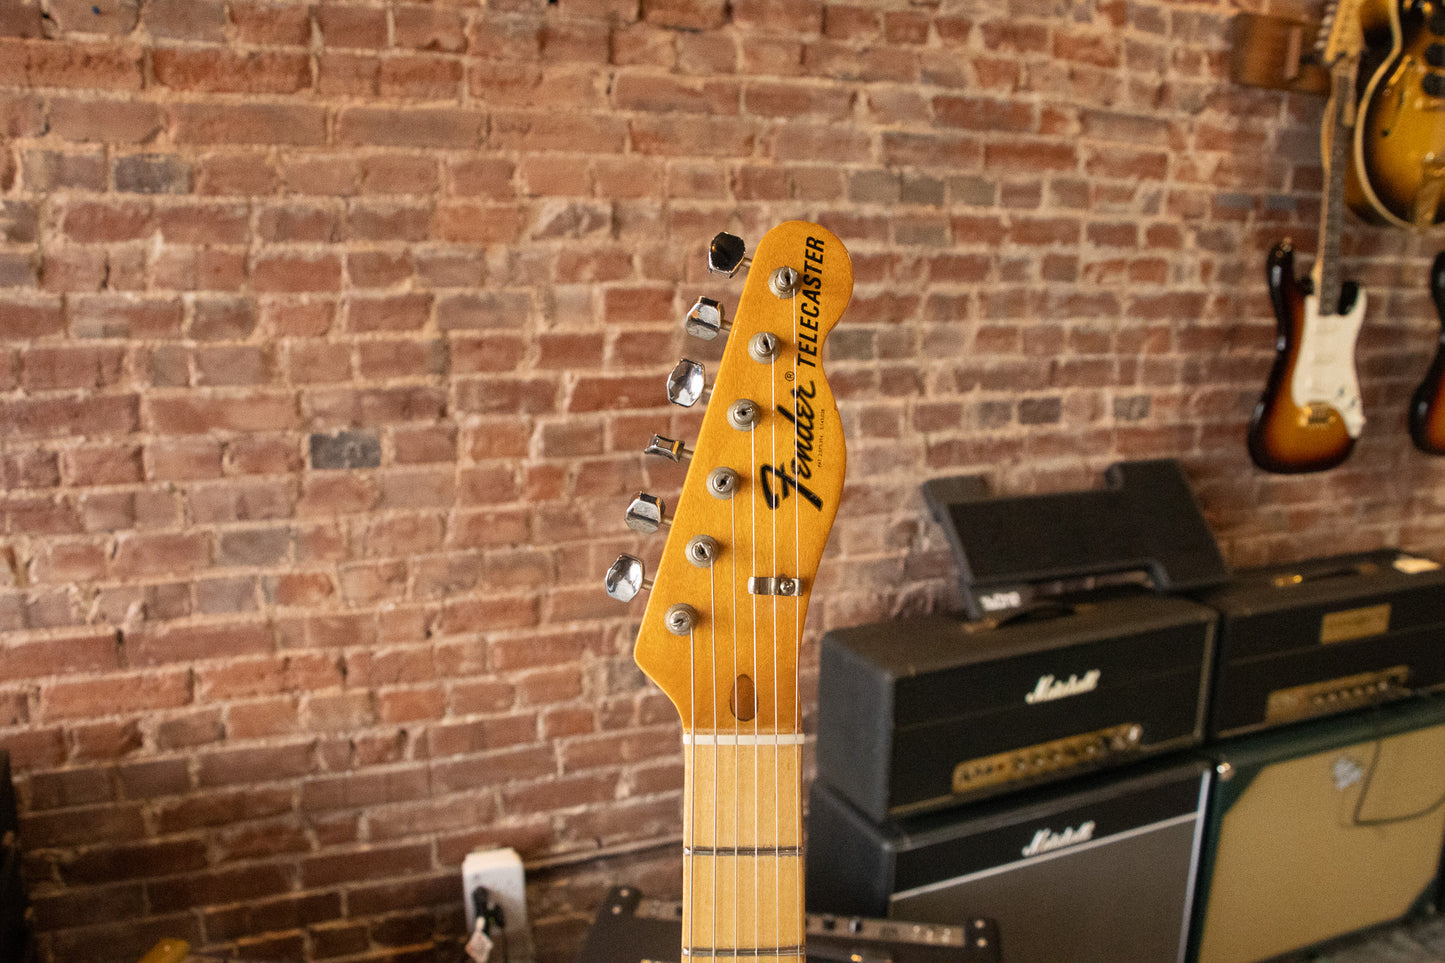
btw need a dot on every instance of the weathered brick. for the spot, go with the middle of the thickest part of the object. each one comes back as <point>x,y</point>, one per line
<point>346,449</point>
<point>152,174</point>
<point>231,123</point>
<point>210,70</point>
<point>423,127</point>
<point>52,170</point>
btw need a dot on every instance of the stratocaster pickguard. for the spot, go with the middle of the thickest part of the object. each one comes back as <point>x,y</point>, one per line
<point>1324,371</point>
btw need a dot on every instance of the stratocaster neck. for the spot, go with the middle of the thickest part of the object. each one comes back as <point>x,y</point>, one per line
<point>742,848</point>
<point>1336,136</point>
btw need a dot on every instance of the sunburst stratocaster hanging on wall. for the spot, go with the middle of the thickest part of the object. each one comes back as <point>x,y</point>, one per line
<point>723,624</point>
<point>1427,407</point>
<point>1397,164</point>
<point>1310,413</point>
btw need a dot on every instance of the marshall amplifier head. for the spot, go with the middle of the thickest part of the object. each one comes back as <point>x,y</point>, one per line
<point>1326,636</point>
<point>1099,871</point>
<point>1320,830</point>
<point>922,713</point>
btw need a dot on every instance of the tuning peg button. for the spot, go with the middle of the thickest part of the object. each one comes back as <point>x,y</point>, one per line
<point>727,254</point>
<point>667,448</point>
<point>625,578</point>
<point>687,384</point>
<point>706,320</point>
<point>646,514</point>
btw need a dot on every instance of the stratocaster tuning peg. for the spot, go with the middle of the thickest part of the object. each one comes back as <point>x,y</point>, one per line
<point>625,578</point>
<point>687,384</point>
<point>667,448</point>
<point>647,514</point>
<point>706,320</point>
<point>727,254</point>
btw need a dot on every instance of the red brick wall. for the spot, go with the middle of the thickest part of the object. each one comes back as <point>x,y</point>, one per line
<point>330,332</point>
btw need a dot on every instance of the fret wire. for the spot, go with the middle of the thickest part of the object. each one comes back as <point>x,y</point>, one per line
<point>752,951</point>
<point>744,851</point>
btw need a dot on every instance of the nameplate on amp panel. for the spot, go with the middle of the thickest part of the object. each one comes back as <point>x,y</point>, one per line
<point>1045,757</point>
<point>1354,624</point>
<point>921,714</point>
<point>1328,635</point>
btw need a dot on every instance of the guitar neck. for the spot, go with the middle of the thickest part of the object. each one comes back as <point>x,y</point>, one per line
<point>1336,134</point>
<point>742,848</point>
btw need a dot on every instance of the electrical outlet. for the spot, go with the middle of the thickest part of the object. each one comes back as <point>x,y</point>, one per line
<point>500,873</point>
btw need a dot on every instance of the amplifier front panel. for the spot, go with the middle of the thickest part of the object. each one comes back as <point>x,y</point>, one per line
<point>1126,897</point>
<point>1314,847</point>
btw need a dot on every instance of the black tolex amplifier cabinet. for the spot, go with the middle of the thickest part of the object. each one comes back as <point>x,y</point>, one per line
<point>1324,636</point>
<point>1097,871</point>
<point>916,714</point>
<point>1318,830</point>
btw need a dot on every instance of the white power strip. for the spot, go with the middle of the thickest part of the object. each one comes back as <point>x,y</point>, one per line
<point>499,872</point>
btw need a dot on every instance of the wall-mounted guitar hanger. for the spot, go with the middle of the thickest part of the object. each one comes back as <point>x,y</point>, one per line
<point>1277,53</point>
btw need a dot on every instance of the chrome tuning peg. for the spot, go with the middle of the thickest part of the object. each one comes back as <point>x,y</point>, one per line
<point>687,384</point>
<point>625,578</point>
<point>646,514</point>
<point>706,320</point>
<point>727,254</point>
<point>667,448</point>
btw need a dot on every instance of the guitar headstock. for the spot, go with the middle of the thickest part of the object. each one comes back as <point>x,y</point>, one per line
<point>723,622</point>
<point>1341,34</point>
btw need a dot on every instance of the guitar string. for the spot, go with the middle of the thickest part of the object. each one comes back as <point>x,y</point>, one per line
<point>717,752</point>
<point>689,862</point>
<point>737,753</point>
<point>777,665</point>
<point>753,454</point>
<point>797,802</point>
<point>773,571</point>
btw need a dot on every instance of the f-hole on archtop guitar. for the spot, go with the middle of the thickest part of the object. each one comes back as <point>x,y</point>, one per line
<point>1427,406</point>
<point>1310,413</point>
<point>723,624</point>
<point>1397,164</point>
